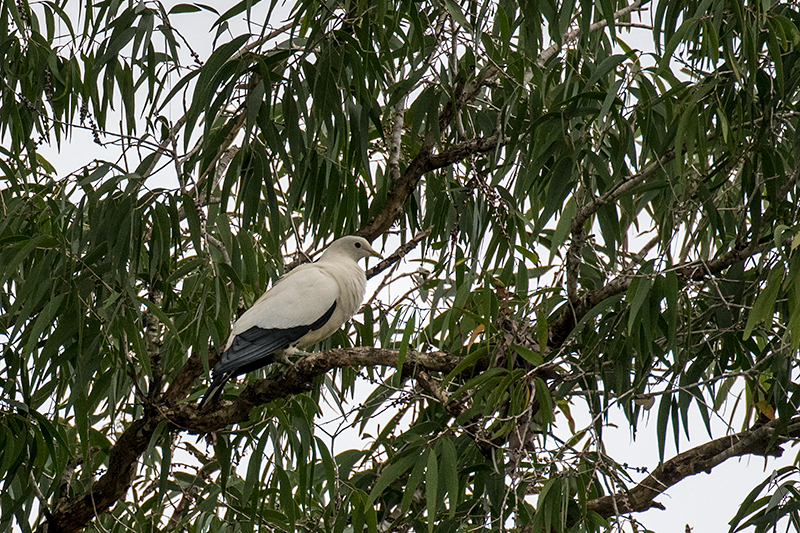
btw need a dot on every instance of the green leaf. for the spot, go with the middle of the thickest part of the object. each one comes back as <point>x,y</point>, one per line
<point>183,8</point>
<point>254,467</point>
<point>662,422</point>
<point>392,473</point>
<point>405,343</point>
<point>457,14</point>
<point>677,38</point>
<point>286,492</point>
<point>432,490</point>
<point>414,480</point>
<point>639,289</point>
<point>42,322</point>
<point>162,317</point>
<point>545,401</point>
<point>564,225</point>
<point>449,471</point>
<point>529,355</point>
<point>193,220</point>
<point>222,451</point>
<point>765,302</point>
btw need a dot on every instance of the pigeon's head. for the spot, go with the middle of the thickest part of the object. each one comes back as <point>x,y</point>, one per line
<point>352,247</point>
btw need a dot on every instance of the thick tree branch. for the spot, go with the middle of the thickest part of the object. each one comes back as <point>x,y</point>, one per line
<point>182,383</point>
<point>424,162</point>
<point>299,379</point>
<point>457,152</point>
<point>702,458</point>
<point>71,514</point>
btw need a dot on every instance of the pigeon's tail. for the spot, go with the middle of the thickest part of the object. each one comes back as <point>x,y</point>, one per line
<point>214,390</point>
<point>255,348</point>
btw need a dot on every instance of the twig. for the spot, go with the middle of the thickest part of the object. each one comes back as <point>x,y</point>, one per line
<point>426,161</point>
<point>261,40</point>
<point>39,496</point>
<point>398,254</point>
<point>573,34</point>
<point>173,131</point>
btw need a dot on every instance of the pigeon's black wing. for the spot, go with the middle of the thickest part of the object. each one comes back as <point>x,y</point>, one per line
<point>255,348</point>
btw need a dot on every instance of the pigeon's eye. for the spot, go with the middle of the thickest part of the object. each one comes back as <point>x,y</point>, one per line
<point>358,245</point>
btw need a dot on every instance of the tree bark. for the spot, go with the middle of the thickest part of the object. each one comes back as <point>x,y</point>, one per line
<point>703,458</point>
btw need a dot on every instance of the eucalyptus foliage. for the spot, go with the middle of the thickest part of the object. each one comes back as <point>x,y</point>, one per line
<point>601,205</point>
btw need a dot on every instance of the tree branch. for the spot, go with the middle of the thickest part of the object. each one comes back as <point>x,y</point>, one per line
<point>697,270</point>
<point>578,306</point>
<point>299,379</point>
<point>75,513</point>
<point>398,254</point>
<point>395,146</point>
<point>591,208</point>
<point>703,458</point>
<point>72,514</point>
<point>574,34</point>
<point>182,383</point>
<point>562,326</point>
<point>425,161</point>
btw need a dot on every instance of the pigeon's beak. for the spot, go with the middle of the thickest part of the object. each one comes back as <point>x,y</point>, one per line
<point>373,253</point>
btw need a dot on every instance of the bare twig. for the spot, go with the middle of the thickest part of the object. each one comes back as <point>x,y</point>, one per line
<point>189,495</point>
<point>39,496</point>
<point>173,131</point>
<point>398,254</point>
<point>249,47</point>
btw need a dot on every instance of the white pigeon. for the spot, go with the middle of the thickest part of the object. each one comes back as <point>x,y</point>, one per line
<point>304,307</point>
